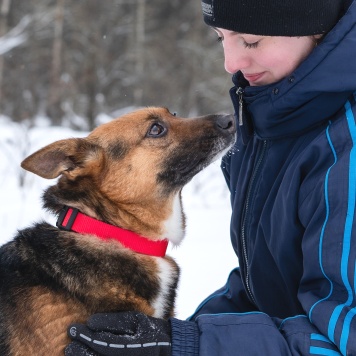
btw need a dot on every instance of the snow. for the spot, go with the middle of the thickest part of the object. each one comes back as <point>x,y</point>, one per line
<point>205,256</point>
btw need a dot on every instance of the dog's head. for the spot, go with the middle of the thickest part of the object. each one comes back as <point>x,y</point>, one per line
<point>130,171</point>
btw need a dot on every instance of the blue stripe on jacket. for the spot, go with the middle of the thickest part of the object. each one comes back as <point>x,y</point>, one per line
<point>346,243</point>
<point>327,207</point>
<point>348,227</point>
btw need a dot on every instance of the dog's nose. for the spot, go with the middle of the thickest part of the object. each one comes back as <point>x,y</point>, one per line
<point>226,123</point>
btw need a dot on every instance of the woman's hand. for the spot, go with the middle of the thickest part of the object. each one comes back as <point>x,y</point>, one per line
<point>125,333</point>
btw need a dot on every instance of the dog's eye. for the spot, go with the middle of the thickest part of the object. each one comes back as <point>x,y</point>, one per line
<point>156,130</point>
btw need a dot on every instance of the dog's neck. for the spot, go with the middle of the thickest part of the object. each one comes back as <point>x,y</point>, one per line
<point>70,219</point>
<point>174,226</point>
<point>163,220</point>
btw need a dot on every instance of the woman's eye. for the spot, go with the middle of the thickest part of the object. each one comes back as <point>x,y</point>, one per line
<point>156,130</point>
<point>251,45</point>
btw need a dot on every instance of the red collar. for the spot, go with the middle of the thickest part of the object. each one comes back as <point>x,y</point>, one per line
<point>71,219</point>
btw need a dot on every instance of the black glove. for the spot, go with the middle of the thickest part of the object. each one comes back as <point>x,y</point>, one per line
<point>115,334</point>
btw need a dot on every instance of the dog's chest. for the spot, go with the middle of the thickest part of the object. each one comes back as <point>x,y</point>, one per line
<point>168,274</point>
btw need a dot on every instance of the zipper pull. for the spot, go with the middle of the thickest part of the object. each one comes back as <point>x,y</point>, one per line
<point>239,92</point>
<point>244,122</point>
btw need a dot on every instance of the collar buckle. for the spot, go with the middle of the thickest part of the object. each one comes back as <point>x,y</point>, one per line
<point>65,222</point>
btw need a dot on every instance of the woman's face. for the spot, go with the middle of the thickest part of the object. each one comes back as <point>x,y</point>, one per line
<point>263,59</point>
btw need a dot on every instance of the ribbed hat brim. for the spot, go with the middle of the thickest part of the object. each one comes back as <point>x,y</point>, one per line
<point>273,17</point>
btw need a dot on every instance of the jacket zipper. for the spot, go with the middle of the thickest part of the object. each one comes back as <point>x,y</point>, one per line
<point>239,92</point>
<point>260,156</point>
<point>245,130</point>
<point>245,214</point>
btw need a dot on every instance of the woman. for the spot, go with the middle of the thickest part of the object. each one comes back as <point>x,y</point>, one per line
<point>292,177</point>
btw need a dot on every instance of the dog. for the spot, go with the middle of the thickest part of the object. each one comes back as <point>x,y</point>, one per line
<point>118,202</point>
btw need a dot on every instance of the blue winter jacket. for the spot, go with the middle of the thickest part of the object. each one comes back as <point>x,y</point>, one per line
<point>293,196</point>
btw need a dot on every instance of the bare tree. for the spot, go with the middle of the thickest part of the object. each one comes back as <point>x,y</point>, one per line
<point>140,49</point>
<point>54,102</point>
<point>4,11</point>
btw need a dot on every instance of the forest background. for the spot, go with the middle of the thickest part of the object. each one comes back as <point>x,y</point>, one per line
<point>71,61</point>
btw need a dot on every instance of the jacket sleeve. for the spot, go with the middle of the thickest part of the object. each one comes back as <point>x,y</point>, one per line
<point>327,210</point>
<point>246,334</point>
<point>226,324</point>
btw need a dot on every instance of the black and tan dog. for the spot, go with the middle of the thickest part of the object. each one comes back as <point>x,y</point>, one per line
<point>118,201</point>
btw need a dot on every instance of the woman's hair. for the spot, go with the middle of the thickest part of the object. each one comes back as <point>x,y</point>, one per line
<point>275,17</point>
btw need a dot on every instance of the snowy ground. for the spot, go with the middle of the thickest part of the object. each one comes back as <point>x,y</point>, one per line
<point>205,256</point>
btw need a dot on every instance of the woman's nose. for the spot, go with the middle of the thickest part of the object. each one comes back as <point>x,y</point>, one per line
<point>235,59</point>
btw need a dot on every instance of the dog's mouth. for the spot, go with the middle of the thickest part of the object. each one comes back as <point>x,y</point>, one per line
<point>191,158</point>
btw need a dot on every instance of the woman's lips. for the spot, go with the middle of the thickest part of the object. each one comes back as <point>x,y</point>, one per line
<point>253,77</point>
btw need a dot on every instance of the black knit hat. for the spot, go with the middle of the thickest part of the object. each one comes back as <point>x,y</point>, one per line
<point>273,17</point>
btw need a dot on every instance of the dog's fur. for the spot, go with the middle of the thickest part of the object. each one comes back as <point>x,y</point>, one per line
<point>129,173</point>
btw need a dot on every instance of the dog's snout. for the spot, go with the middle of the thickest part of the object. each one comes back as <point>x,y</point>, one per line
<point>226,123</point>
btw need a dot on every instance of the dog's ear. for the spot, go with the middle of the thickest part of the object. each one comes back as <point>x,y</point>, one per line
<point>71,157</point>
